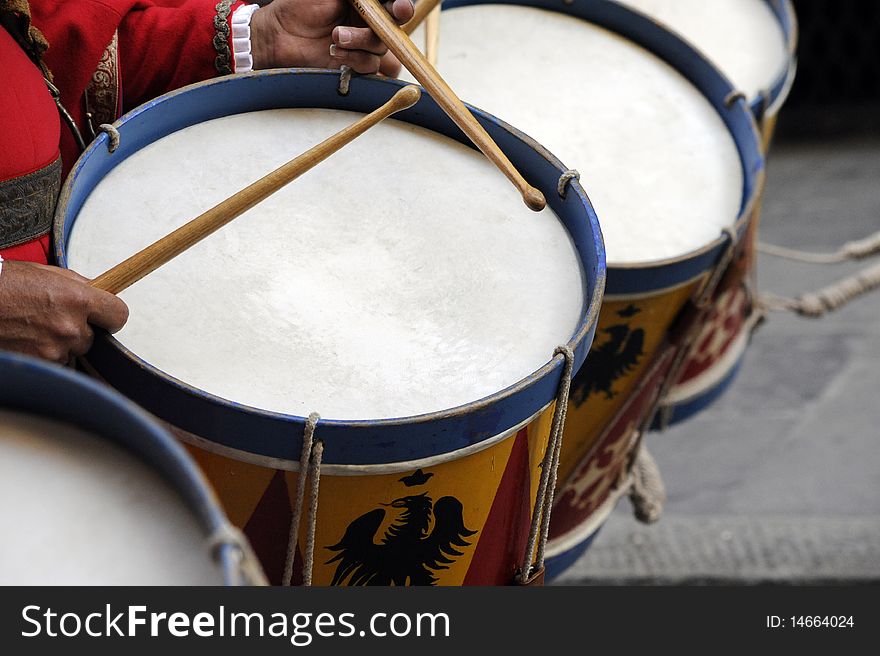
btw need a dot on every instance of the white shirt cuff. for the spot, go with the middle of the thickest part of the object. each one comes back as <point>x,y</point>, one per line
<point>243,61</point>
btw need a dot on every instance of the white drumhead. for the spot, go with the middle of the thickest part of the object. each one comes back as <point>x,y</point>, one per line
<point>655,157</point>
<point>742,37</point>
<point>401,276</point>
<point>79,510</point>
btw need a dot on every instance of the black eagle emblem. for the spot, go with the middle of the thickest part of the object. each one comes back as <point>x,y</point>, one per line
<point>608,362</point>
<point>408,553</point>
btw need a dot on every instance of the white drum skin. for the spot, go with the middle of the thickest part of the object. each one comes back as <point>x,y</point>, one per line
<point>659,164</point>
<point>742,37</point>
<point>89,513</point>
<point>401,276</point>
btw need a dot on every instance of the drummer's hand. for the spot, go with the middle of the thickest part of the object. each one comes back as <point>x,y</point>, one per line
<point>301,33</point>
<point>46,311</point>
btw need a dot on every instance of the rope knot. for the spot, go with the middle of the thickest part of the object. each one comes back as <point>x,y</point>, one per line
<point>829,298</point>
<point>647,493</point>
<point>565,179</point>
<point>811,305</point>
<point>112,134</point>
<point>733,97</point>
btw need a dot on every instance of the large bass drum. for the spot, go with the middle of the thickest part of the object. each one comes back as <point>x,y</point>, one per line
<point>401,290</point>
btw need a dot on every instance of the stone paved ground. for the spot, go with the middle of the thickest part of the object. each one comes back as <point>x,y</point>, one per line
<point>780,479</point>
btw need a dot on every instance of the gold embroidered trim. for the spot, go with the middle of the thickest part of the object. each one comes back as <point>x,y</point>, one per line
<point>223,60</point>
<point>27,204</point>
<point>102,94</point>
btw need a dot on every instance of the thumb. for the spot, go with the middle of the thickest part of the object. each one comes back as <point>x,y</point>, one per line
<point>106,310</point>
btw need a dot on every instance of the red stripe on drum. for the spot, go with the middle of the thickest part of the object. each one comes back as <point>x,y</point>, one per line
<point>720,331</point>
<point>503,538</point>
<point>268,529</point>
<point>584,492</point>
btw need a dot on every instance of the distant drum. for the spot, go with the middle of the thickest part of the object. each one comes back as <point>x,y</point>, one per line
<point>753,42</point>
<point>672,160</point>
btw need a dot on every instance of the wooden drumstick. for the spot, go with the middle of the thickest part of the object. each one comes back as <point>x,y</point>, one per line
<point>409,55</point>
<point>422,9</point>
<point>432,36</point>
<point>427,10</point>
<point>127,273</point>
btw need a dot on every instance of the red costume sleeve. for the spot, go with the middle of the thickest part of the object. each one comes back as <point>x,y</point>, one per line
<point>167,47</point>
<point>159,45</point>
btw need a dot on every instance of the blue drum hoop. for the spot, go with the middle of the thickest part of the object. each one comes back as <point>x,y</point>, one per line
<point>650,276</point>
<point>771,101</point>
<point>277,436</point>
<point>53,392</point>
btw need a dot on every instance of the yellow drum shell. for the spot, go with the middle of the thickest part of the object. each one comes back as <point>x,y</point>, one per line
<point>470,510</point>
